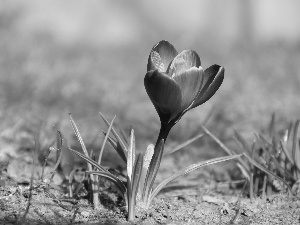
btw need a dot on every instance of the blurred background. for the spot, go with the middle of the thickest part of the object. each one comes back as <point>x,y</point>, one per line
<point>84,57</point>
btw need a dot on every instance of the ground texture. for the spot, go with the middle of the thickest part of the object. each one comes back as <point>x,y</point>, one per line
<point>193,200</point>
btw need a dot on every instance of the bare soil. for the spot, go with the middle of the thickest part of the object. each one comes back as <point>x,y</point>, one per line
<point>192,200</point>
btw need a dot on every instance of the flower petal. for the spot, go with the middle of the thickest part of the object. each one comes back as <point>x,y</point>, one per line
<point>213,78</point>
<point>183,61</point>
<point>161,56</point>
<point>164,93</point>
<point>190,82</point>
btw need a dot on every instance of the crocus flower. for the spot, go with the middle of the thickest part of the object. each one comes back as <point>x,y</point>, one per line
<point>177,83</point>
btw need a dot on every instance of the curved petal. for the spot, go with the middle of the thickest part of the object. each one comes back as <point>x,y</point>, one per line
<point>184,61</point>
<point>161,56</point>
<point>164,93</point>
<point>190,82</point>
<point>212,80</point>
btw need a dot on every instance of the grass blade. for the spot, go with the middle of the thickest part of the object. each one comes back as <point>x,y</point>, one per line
<point>239,138</point>
<point>190,169</point>
<point>55,166</point>
<point>153,169</point>
<point>227,150</point>
<point>88,160</point>
<point>282,146</point>
<point>59,142</point>
<point>34,158</point>
<point>295,139</point>
<point>103,172</point>
<point>273,158</point>
<point>104,141</point>
<point>45,162</point>
<point>244,172</point>
<point>183,145</point>
<point>124,148</point>
<point>287,154</point>
<point>134,187</point>
<point>93,179</point>
<point>290,128</point>
<point>71,177</point>
<point>116,145</point>
<point>125,136</point>
<point>111,177</point>
<point>131,155</point>
<point>294,147</point>
<point>267,171</point>
<point>146,162</point>
<point>272,126</point>
<point>137,174</point>
<point>79,138</point>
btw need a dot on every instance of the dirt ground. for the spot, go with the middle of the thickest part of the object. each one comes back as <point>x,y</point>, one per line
<point>192,200</point>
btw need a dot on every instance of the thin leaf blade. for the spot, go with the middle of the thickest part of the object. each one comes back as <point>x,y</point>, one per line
<point>239,138</point>
<point>104,141</point>
<point>153,169</point>
<point>124,148</point>
<point>79,138</point>
<point>266,171</point>
<point>131,155</point>
<point>183,145</point>
<point>227,150</point>
<point>88,160</point>
<point>146,163</point>
<point>116,145</point>
<point>190,169</point>
<point>111,177</point>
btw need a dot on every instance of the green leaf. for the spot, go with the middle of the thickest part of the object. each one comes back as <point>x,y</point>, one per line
<point>272,157</point>
<point>131,155</point>
<point>240,139</point>
<point>136,178</point>
<point>132,186</point>
<point>245,173</point>
<point>55,166</point>
<point>183,145</point>
<point>267,171</point>
<point>146,162</point>
<point>121,143</point>
<point>59,142</point>
<point>79,138</point>
<point>295,140</point>
<point>272,126</point>
<point>287,154</point>
<point>148,156</point>
<point>137,172</point>
<point>88,160</point>
<point>188,170</point>
<point>71,177</point>
<point>153,169</point>
<point>125,136</point>
<point>86,154</point>
<point>290,130</point>
<point>104,141</point>
<point>227,150</point>
<point>116,145</point>
<point>111,177</point>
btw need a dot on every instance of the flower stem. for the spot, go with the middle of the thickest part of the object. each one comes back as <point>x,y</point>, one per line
<point>155,161</point>
<point>164,132</point>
